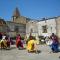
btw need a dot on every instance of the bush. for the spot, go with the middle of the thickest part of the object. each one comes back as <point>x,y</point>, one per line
<point>13,38</point>
<point>22,38</point>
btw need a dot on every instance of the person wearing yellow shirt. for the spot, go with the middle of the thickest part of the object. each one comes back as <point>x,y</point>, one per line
<point>31,45</point>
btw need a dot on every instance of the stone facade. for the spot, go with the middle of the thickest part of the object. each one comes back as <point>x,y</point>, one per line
<point>17,25</point>
<point>31,27</point>
<point>44,27</point>
<point>17,18</point>
<point>16,28</point>
<point>58,26</point>
<point>20,19</point>
<point>3,26</point>
<point>26,26</point>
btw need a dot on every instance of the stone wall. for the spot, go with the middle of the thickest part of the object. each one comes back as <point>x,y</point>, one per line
<point>16,28</point>
<point>20,19</point>
<point>58,26</point>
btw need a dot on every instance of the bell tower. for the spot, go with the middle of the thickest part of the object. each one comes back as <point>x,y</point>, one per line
<point>16,14</point>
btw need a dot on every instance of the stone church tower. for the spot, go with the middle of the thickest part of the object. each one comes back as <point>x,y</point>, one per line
<point>17,18</point>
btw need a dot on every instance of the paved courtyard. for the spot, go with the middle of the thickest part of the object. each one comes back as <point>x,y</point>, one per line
<point>15,54</point>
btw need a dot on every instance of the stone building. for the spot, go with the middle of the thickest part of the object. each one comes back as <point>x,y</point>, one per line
<point>58,26</point>
<point>31,28</point>
<point>26,26</point>
<point>3,26</point>
<point>47,27</point>
<point>44,27</point>
<point>16,28</point>
<point>17,25</point>
<point>17,18</point>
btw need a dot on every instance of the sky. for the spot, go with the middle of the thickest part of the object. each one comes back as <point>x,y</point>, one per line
<point>34,9</point>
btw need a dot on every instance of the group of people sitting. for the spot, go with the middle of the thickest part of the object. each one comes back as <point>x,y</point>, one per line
<point>31,44</point>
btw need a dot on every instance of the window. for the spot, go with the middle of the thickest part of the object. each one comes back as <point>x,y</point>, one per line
<point>31,30</point>
<point>44,28</point>
<point>16,28</point>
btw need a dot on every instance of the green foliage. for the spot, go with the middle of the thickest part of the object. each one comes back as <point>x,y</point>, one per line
<point>22,38</point>
<point>13,38</point>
